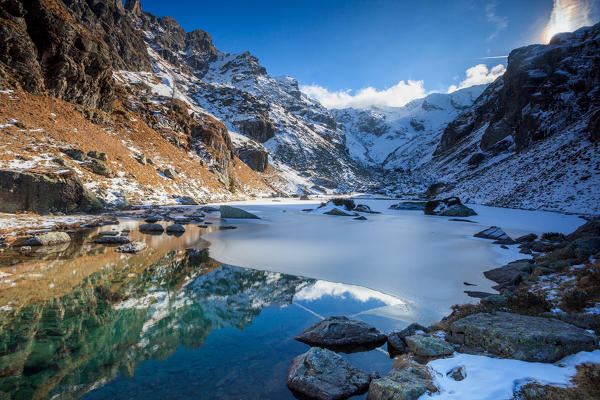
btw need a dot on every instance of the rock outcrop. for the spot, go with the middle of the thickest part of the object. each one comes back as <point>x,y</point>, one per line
<point>45,193</point>
<point>43,49</point>
<point>521,337</point>
<point>406,381</point>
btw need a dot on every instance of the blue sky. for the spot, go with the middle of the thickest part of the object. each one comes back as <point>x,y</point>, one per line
<point>341,45</point>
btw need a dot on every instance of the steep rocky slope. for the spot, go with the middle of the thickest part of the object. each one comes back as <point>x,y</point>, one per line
<point>401,137</point>
<point>531,139</point>
<point>63,110</point>
<point>302,137</point>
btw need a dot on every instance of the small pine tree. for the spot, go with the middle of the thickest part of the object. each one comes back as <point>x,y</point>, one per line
<point>231,185</point>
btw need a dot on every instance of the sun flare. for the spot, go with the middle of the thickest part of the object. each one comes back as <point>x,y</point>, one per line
<point>567,16</point>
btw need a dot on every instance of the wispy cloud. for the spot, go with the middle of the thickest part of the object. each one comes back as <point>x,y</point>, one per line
<point>567,16</point>
<point>479,75</point>
<point>394,96</point>
<point>492,57</point>
<point>500,23</point>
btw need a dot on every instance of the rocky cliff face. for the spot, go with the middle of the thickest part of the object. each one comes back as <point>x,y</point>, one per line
<point>44,49</point>
<point>301,136</point>
<point>530,140</point>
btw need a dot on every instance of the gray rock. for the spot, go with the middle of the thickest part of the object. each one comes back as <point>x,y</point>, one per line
<point>187,201</point>
<point>520,337</point>
<point>495,299</point>
<point>458,210</point>
<point>406,381</point>
<point>495,233</point>
<point>324,375</point>
<point>134,247</point>
<point>408,205</point>
<point>508,275</point>
<point>48,239</point>
<point>112,240</point>
<point>338,212</point>
<point>428,346</point>
<point>457,373</point>
<point>234,212</point>
<point>526,238</point>
<point>99,167</point>
<point>342,334</point>
<point>175,228</point>
<point>75,154</point>
<point>152,219</point>
<point>45,193</point>
<point>395,340</point>
<point>151,228</point>
<point>169,173</point>
<point>209,209</point>
<point>97,155</point>
<point>108,233</point>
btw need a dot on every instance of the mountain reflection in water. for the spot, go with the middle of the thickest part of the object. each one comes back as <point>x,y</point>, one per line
<point>168,323</point>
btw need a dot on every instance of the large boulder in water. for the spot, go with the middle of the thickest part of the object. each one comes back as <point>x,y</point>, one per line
<point>45,193</point>
<point>48,239</point>
<point>449,207</point>
<point>234,212</point>
<point>406,381</point>
<point>521,337</point>
<point>343,334</point>
<point>325,375</point>
<point>495,233</point>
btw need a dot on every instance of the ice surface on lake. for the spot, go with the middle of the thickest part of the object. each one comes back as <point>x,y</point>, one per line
<point>422,260</point>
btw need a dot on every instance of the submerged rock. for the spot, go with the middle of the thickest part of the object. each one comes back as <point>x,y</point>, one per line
<point>406,381</point>
<point>209,209</point>
<point>361,218</point>
<point>112,240</point>
<point>48,239</point>
<point>408,205</point>
<point>325,375</point>
<point>428,346</point>
<point>343,334</point>
<point>108,233</point>
<point>495,233</point>
<point>155,228</point>
<point>395,341</point>
<point>234,212</point>
<point>152,219</point>
<point>134,247</point>
<point>520,337</point>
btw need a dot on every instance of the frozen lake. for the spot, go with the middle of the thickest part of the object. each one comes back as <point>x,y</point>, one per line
<point>422,261</point>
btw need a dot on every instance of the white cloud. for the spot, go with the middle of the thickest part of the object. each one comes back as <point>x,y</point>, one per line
<point>479,75</point>
<point>395,96</point>
<point>500,23</point>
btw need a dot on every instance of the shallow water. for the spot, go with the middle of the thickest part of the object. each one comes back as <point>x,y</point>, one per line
<point>179,322</point>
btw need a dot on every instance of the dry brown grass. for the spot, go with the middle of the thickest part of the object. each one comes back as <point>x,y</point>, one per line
<point>586,386</point>
<point>45,134</point>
